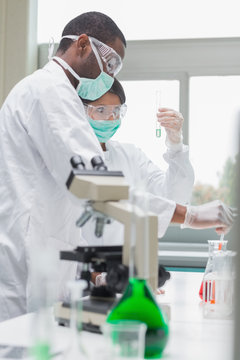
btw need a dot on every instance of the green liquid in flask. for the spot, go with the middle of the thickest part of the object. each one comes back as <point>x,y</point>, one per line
<point>138,303</point>
<point>158,132</point>
<point>41,351</point>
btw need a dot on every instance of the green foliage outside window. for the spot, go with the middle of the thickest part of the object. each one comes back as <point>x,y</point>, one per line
<point>226,189</point>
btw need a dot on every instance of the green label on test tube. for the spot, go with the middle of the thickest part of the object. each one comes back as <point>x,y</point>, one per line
<point>158,132</point>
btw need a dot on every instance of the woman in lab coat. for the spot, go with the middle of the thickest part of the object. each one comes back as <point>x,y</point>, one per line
<point>169,191</point>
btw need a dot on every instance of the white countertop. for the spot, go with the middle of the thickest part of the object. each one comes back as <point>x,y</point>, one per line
<point>191,336</point>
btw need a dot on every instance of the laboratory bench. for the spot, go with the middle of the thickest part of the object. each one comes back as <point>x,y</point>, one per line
<point>191,336</point>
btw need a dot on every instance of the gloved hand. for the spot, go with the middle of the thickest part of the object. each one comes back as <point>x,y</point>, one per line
<point>213,214</point>
<point>172,121</point>
<point>100,279</point>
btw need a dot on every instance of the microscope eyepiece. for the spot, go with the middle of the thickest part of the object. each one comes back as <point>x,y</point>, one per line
<point>77,162</point>
<point>97,163</point>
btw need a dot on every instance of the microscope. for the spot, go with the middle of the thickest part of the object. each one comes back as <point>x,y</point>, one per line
<point>107,193</point>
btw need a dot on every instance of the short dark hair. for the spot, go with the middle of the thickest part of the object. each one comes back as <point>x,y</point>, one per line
<point>116,89</point>
<point>92,23</point>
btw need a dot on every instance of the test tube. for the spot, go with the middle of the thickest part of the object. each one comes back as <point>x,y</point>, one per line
<point>158,105</point>
<point>221,242</point>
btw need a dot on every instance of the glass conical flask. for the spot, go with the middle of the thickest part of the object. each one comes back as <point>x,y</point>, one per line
<point>76,349</point>
<point>138,301</point>
<point>214,246</point>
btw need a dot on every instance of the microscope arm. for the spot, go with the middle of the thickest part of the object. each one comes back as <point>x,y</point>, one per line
<point>122,212</point>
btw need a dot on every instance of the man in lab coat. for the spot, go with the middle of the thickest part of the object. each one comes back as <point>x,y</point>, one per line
<point>42,125</point>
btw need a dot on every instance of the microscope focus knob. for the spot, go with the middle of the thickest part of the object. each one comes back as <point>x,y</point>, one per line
<point>117,278</point>
<point>163,276</point>
<point>97,163</point>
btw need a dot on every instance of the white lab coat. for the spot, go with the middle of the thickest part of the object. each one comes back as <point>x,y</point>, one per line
<point>165,188</point>
<point>42,125</point>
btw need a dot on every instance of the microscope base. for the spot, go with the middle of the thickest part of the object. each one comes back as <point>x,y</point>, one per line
<point>94,313</point>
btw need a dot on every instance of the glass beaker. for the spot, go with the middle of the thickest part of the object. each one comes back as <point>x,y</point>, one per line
<point>214,246</point>
<point>76,349</point>
<point>218,286</point>
<point>124,340</point>
<point>138,302</point>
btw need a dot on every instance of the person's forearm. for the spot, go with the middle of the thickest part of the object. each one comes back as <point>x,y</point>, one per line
<point>179,214</point>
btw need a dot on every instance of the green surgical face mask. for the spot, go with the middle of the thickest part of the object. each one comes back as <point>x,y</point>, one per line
<point>104,129</point>
<point>92,89</point>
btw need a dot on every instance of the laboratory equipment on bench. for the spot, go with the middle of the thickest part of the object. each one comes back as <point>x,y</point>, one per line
<point>42,280</point>
<point>218,286</point>
<point>138,302</point>
<point>124,341</point>
<point>76,349</point>
<point>213,247</point>
<point>106,194</point>
<point>99,303</point>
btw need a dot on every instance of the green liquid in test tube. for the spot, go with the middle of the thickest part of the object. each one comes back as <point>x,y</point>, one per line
<point>158,105</point>
<point>158,132</point>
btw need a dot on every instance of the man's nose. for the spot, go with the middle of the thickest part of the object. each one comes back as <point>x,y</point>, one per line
<point>111,117</point>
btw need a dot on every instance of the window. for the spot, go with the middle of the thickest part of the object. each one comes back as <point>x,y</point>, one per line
<point>172,19</point>
<point>214,105</point>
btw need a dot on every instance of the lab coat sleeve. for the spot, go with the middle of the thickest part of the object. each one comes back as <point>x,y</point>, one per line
<point>59,129</point>
<point>164,208</point>
<point>176,183</point>
<point>165,189</point>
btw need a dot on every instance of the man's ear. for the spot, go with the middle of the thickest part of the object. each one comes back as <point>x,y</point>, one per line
<point>83,45</point>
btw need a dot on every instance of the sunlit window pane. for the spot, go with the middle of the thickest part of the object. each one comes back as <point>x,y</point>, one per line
<point>138,126</point>
<point>172,19</point>
<point>214,104</point>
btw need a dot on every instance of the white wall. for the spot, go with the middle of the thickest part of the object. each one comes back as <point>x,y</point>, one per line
<point>18,42</point>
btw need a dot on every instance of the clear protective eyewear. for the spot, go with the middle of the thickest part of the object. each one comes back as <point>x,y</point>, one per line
<point>109,56</point>
<point>106,112</point>
<point>111,59</point>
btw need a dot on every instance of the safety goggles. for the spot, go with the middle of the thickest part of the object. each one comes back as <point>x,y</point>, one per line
<point>108,55</point>
<point>106,112</point>
<point>112,60</point>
